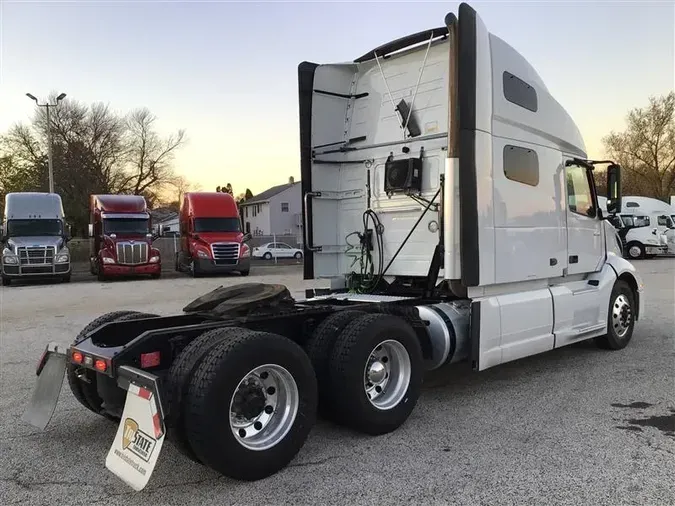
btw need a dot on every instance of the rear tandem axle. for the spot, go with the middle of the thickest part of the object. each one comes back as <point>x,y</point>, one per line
<point>249,354</point>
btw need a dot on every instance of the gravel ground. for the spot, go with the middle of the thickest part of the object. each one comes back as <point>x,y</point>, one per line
<point>574,426</point>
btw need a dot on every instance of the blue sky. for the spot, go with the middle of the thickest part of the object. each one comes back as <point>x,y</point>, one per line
<point>226,71</point>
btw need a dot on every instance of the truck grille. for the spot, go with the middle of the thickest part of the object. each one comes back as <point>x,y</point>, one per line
<point>225,252</point>
<point>132,254</point>
<point>36,255</point>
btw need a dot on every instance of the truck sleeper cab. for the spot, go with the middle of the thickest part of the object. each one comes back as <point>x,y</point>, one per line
<point>445,238</point>
<point>211,237</point>
<point>121,238</point>
<point>34,238</point>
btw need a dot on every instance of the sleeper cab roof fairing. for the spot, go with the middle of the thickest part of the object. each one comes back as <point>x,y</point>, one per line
<point>403,42</point>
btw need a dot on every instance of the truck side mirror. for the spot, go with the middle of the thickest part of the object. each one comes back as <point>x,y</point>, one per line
<point>247,237</point>
<point>613,189</point>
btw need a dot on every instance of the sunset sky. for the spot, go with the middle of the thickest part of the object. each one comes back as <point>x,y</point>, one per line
<point>227,72</point>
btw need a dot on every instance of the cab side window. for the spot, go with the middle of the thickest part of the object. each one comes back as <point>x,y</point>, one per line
<point>579,193</point>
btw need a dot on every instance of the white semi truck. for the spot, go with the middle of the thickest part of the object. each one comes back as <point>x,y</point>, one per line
<point>449,200</point>
<point>660,214</point>
<point>34,238</point>
<point>645,231</point>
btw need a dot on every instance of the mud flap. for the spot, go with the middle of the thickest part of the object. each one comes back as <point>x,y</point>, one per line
<point>51,370</point>
<point>140,435</point>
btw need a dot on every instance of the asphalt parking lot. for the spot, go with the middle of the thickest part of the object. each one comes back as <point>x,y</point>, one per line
<point>574,426</point>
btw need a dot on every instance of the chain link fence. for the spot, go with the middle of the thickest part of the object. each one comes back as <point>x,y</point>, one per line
<point>169,245</point>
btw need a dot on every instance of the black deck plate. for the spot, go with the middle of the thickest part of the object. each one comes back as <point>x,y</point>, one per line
<point>242,297</point>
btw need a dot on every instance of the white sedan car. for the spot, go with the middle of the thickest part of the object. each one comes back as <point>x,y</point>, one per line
<point>276,250</point>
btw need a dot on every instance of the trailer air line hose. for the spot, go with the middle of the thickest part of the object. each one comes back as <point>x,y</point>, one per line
<point>365,283</point>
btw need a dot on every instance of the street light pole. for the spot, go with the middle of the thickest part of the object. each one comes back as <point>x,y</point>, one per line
<point>47,105</point>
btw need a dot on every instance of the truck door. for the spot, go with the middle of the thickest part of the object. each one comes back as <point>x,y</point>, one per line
<point>585,241</point>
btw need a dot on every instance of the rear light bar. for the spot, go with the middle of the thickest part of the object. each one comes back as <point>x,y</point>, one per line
<point>90,361</point>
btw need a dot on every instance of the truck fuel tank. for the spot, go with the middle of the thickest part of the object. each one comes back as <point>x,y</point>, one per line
<point>448,330</point>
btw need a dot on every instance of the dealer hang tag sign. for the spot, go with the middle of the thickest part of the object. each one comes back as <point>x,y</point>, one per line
<point>133,454</point>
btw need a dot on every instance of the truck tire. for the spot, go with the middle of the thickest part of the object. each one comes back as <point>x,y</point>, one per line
<point>6,281</point>
<point>66,278</point>
<point>269,381</point>
<point>195,272</point>
<point>635,250</point>
<point>178,382</point>
<point>378,363</point>
<point>620,318</point>
<point>85,391</point>
<point>319,347</point>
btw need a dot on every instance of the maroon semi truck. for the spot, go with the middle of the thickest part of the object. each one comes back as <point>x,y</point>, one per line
<point>121,238</point>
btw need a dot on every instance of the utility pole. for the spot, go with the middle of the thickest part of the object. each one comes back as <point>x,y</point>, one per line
<point>47,105</point>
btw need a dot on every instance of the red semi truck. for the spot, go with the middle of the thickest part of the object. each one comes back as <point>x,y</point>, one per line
<point>121,239</point>
<point>211,237</point>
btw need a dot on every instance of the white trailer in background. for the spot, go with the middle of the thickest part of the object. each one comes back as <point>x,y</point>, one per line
<point>448,198</point>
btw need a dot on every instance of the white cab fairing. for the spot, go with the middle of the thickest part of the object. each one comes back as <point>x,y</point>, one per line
<point>357,115</point>
<point>523,239</point>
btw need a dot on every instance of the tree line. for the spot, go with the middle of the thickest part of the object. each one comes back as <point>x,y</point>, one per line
<point>645,149</point>
<point>94,150</point>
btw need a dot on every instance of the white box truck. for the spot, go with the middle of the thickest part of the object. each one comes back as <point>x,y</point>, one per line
<point>449,199</point>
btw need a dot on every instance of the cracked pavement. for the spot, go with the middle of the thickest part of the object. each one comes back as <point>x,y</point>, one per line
<point>574,426</point>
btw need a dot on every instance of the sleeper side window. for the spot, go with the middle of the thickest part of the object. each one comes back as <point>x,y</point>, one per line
<point>521,165</point>
<point>579,193</point>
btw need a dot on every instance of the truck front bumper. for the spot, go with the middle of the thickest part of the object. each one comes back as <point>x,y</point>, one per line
<point>111,270</point>
<point>212,266</point>
<point>14,271</point>
<point>656,250</point>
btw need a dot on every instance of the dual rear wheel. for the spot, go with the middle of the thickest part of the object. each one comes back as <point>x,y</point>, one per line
<point>369,368</point>
<point>243,402</point>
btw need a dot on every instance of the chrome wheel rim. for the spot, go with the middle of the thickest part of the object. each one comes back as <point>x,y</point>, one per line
<point>622,315</point>
<point>263,407</point>
<point>634,251</point>
<point>387,374</point>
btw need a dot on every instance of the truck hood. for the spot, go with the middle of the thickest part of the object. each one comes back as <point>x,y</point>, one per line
<point>49,240</point>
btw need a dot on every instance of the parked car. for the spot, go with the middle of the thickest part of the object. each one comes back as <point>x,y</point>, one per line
<point>276,249</point>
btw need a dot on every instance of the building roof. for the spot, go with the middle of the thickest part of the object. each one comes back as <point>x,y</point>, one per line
<point>268,194</point>
<point>169,217</point>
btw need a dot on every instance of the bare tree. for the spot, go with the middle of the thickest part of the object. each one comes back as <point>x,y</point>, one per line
<point>646,149</point>
<point>95,151</point>
<point>149,157</point>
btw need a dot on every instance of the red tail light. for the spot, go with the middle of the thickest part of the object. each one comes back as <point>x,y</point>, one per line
<point>150,359</point>
<point>100,365</point>
<point>77,357</point>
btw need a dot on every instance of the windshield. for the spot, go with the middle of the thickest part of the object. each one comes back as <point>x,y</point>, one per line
<point>23,228</point>
<point>125,226</point>
<point>635,221</point>
<point>217,225</point>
